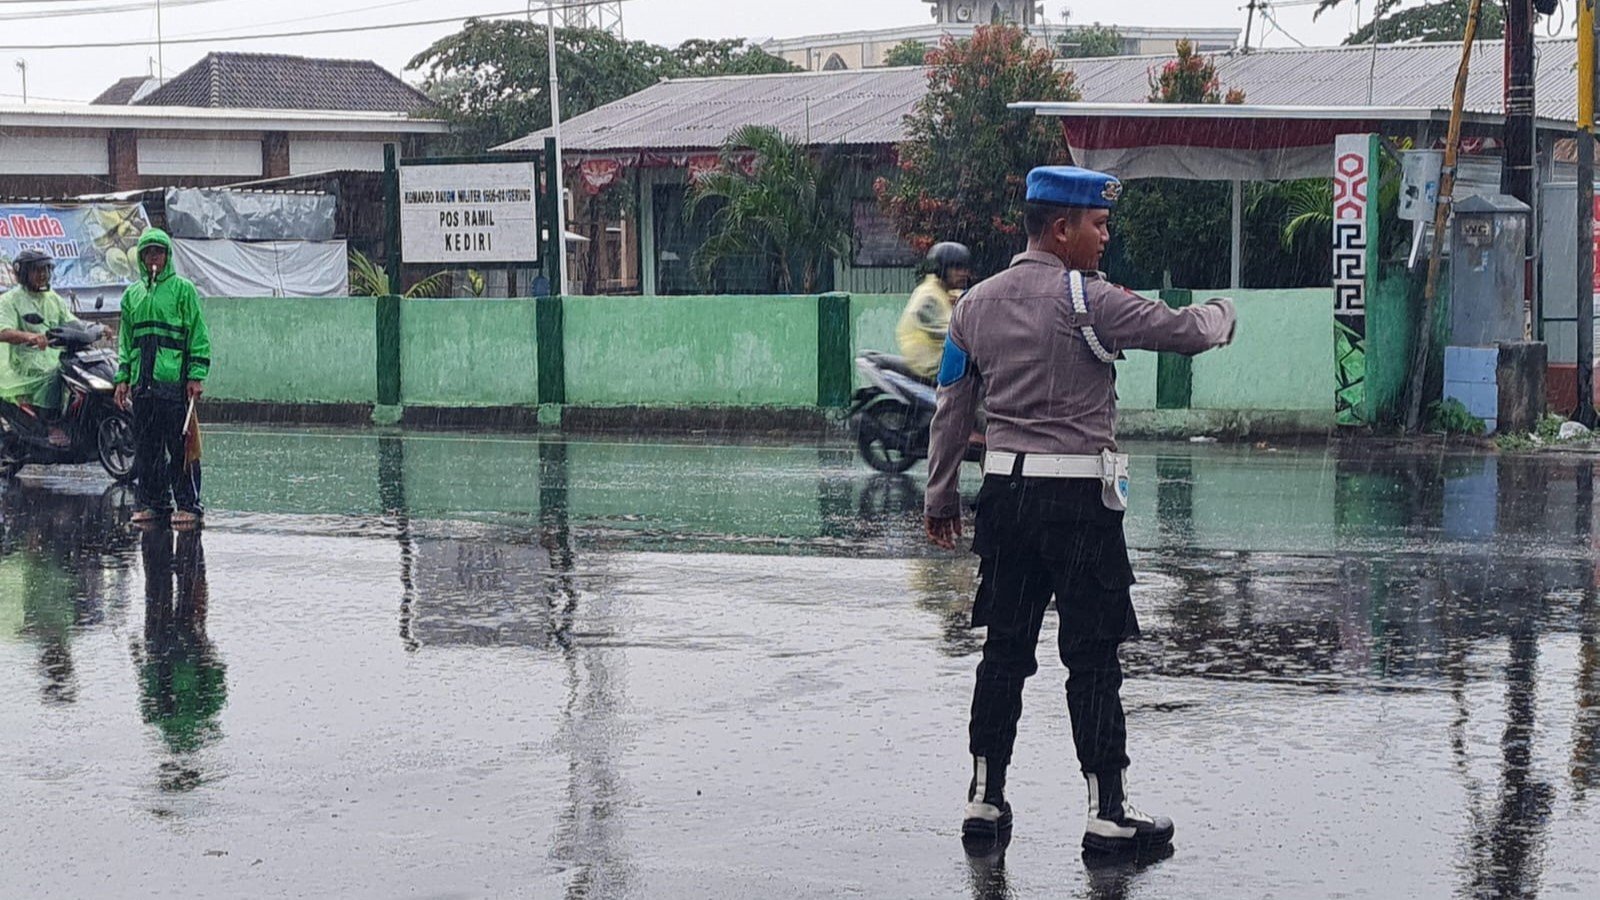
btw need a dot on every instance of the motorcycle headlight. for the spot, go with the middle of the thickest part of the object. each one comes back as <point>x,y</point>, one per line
<point>98,383</point>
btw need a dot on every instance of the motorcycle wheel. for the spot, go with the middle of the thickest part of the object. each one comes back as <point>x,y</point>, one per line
<point>12,456</point>
<point>881,453</point>
<point>115,440</point>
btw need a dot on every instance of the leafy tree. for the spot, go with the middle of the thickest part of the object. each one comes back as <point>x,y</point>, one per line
<point>788,208</point>
<point>491,79</point>
<point>1439,20</point>
<point>699,58</point>
<point>964,165</point>
<point>906,53</point>
<point>1191,78</point>
<point>1090,41</point>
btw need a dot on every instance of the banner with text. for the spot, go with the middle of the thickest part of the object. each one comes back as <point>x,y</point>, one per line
<point>93,244</point>
<point>469,214</point>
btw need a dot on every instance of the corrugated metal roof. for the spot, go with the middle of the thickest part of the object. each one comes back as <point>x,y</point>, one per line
<point>868,107</point>
<point>858,107</point>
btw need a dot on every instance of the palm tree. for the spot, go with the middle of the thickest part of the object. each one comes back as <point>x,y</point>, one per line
<point>368,279</point>
<point>788,208</point>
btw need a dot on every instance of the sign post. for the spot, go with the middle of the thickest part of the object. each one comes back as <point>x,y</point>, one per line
<point>460,212</point>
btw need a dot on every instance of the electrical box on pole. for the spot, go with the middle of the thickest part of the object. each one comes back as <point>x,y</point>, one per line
<point>1488,235</point>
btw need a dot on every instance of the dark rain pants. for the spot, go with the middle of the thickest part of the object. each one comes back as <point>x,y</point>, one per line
<point>1037,539</point>
<point>161,480</point>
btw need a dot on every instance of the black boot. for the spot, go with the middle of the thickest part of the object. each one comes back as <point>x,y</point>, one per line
<point>988,814</point>
<point>1115,826</point>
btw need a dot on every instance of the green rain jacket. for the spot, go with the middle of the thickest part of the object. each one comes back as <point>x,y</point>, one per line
<point>25,370</point>
<point>163,340</point>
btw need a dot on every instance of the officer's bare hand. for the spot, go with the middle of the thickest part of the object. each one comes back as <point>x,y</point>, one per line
<point>195,389</point>
<point>944,532</point>
<point>40,341</point>
<point>120,397</point>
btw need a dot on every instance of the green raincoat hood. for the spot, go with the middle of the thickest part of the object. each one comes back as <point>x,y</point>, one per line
<point>154,237</point>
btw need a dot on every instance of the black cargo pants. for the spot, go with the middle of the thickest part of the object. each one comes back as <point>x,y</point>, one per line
<point>161,480</point>
<point>1037,539</point>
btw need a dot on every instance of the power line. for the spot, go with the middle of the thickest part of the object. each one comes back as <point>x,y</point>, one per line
<point>32,14</point>
<point>1266,13</point>
<point>331,15</point>
<point>355,29</point>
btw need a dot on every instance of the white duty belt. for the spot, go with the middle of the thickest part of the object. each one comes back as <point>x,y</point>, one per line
<point>1110,469</point>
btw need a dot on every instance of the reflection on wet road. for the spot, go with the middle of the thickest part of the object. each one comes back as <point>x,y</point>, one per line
<point>484,667</point>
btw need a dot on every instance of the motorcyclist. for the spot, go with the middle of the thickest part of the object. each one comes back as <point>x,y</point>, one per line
<point>29,374</point>
<point>922,327</point>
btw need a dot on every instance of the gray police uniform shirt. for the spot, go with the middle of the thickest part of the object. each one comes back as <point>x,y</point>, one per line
<point>1016,342</point>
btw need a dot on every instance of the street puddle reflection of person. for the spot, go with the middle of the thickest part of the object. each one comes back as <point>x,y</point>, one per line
<point>182,679</point>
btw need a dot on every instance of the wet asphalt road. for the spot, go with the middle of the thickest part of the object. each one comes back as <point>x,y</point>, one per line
<point>443,667</point>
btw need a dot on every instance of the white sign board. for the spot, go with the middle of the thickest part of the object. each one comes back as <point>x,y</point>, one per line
<point>1419,186</point>
<point>473,213</point>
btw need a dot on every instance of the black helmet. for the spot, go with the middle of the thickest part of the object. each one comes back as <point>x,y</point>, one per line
<point>23,265</point>
<point>946,256</point>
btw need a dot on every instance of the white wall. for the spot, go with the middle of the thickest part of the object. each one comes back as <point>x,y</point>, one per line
<point>312,155</point>
<point>199,156</point>
<point>31,155</point>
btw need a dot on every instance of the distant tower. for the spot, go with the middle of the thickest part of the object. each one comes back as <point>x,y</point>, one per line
<point>599,15</point>
<point>1026,13</point>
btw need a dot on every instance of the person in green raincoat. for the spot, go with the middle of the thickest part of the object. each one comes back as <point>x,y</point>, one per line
<point>28,364</point>
<point>165,356</point>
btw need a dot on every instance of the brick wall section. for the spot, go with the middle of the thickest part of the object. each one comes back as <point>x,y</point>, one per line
<point>124,151</point>
<point>275,154</point>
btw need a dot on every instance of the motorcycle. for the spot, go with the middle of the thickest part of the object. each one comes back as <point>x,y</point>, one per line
<point>893,414</point>
<point>94,429</point>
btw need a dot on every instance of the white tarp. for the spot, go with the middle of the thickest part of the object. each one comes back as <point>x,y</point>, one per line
<point>265,268</point>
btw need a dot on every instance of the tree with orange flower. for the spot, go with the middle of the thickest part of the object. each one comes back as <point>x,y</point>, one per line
<point>962,169</point>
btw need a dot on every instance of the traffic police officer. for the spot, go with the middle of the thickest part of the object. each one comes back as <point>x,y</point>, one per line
<point>1037,343</point>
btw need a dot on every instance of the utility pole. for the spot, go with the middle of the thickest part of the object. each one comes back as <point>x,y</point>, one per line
<point>560,288</point>
<point>1587,37</point>
<point>1249,24</point>
<point>1518,180</point>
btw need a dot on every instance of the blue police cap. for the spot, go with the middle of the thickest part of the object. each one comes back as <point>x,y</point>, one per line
<point>1072,186</point>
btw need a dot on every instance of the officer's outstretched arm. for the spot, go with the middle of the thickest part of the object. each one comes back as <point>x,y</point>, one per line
<point>960,388</point>
<point>1126,321</point>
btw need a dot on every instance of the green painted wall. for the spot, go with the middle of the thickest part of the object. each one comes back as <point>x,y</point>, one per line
<point>468,352</point>
<point>702,351</point>
<point>729,351</point>
<point>1136,380</point>
<point>293,350</point>
<point>1277,359</point>
<point>873,318</point>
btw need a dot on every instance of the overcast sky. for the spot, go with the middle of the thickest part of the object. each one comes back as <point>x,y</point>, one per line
<point>80,73</point>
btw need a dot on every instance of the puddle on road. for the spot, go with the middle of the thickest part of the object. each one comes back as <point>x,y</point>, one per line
<point>611,614</point>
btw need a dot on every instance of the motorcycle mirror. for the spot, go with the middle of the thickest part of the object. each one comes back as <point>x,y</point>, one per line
<point>33,319</point>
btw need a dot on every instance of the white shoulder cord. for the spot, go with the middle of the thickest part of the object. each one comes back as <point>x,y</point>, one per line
<point>1080,305</point>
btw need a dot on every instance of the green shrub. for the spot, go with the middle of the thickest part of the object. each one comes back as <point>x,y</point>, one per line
<point>1451,417</point>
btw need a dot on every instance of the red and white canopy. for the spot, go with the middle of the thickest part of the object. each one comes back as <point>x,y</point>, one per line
<point>1220,142</point>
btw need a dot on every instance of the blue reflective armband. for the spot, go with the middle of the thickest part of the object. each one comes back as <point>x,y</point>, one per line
<point>953,366</point>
